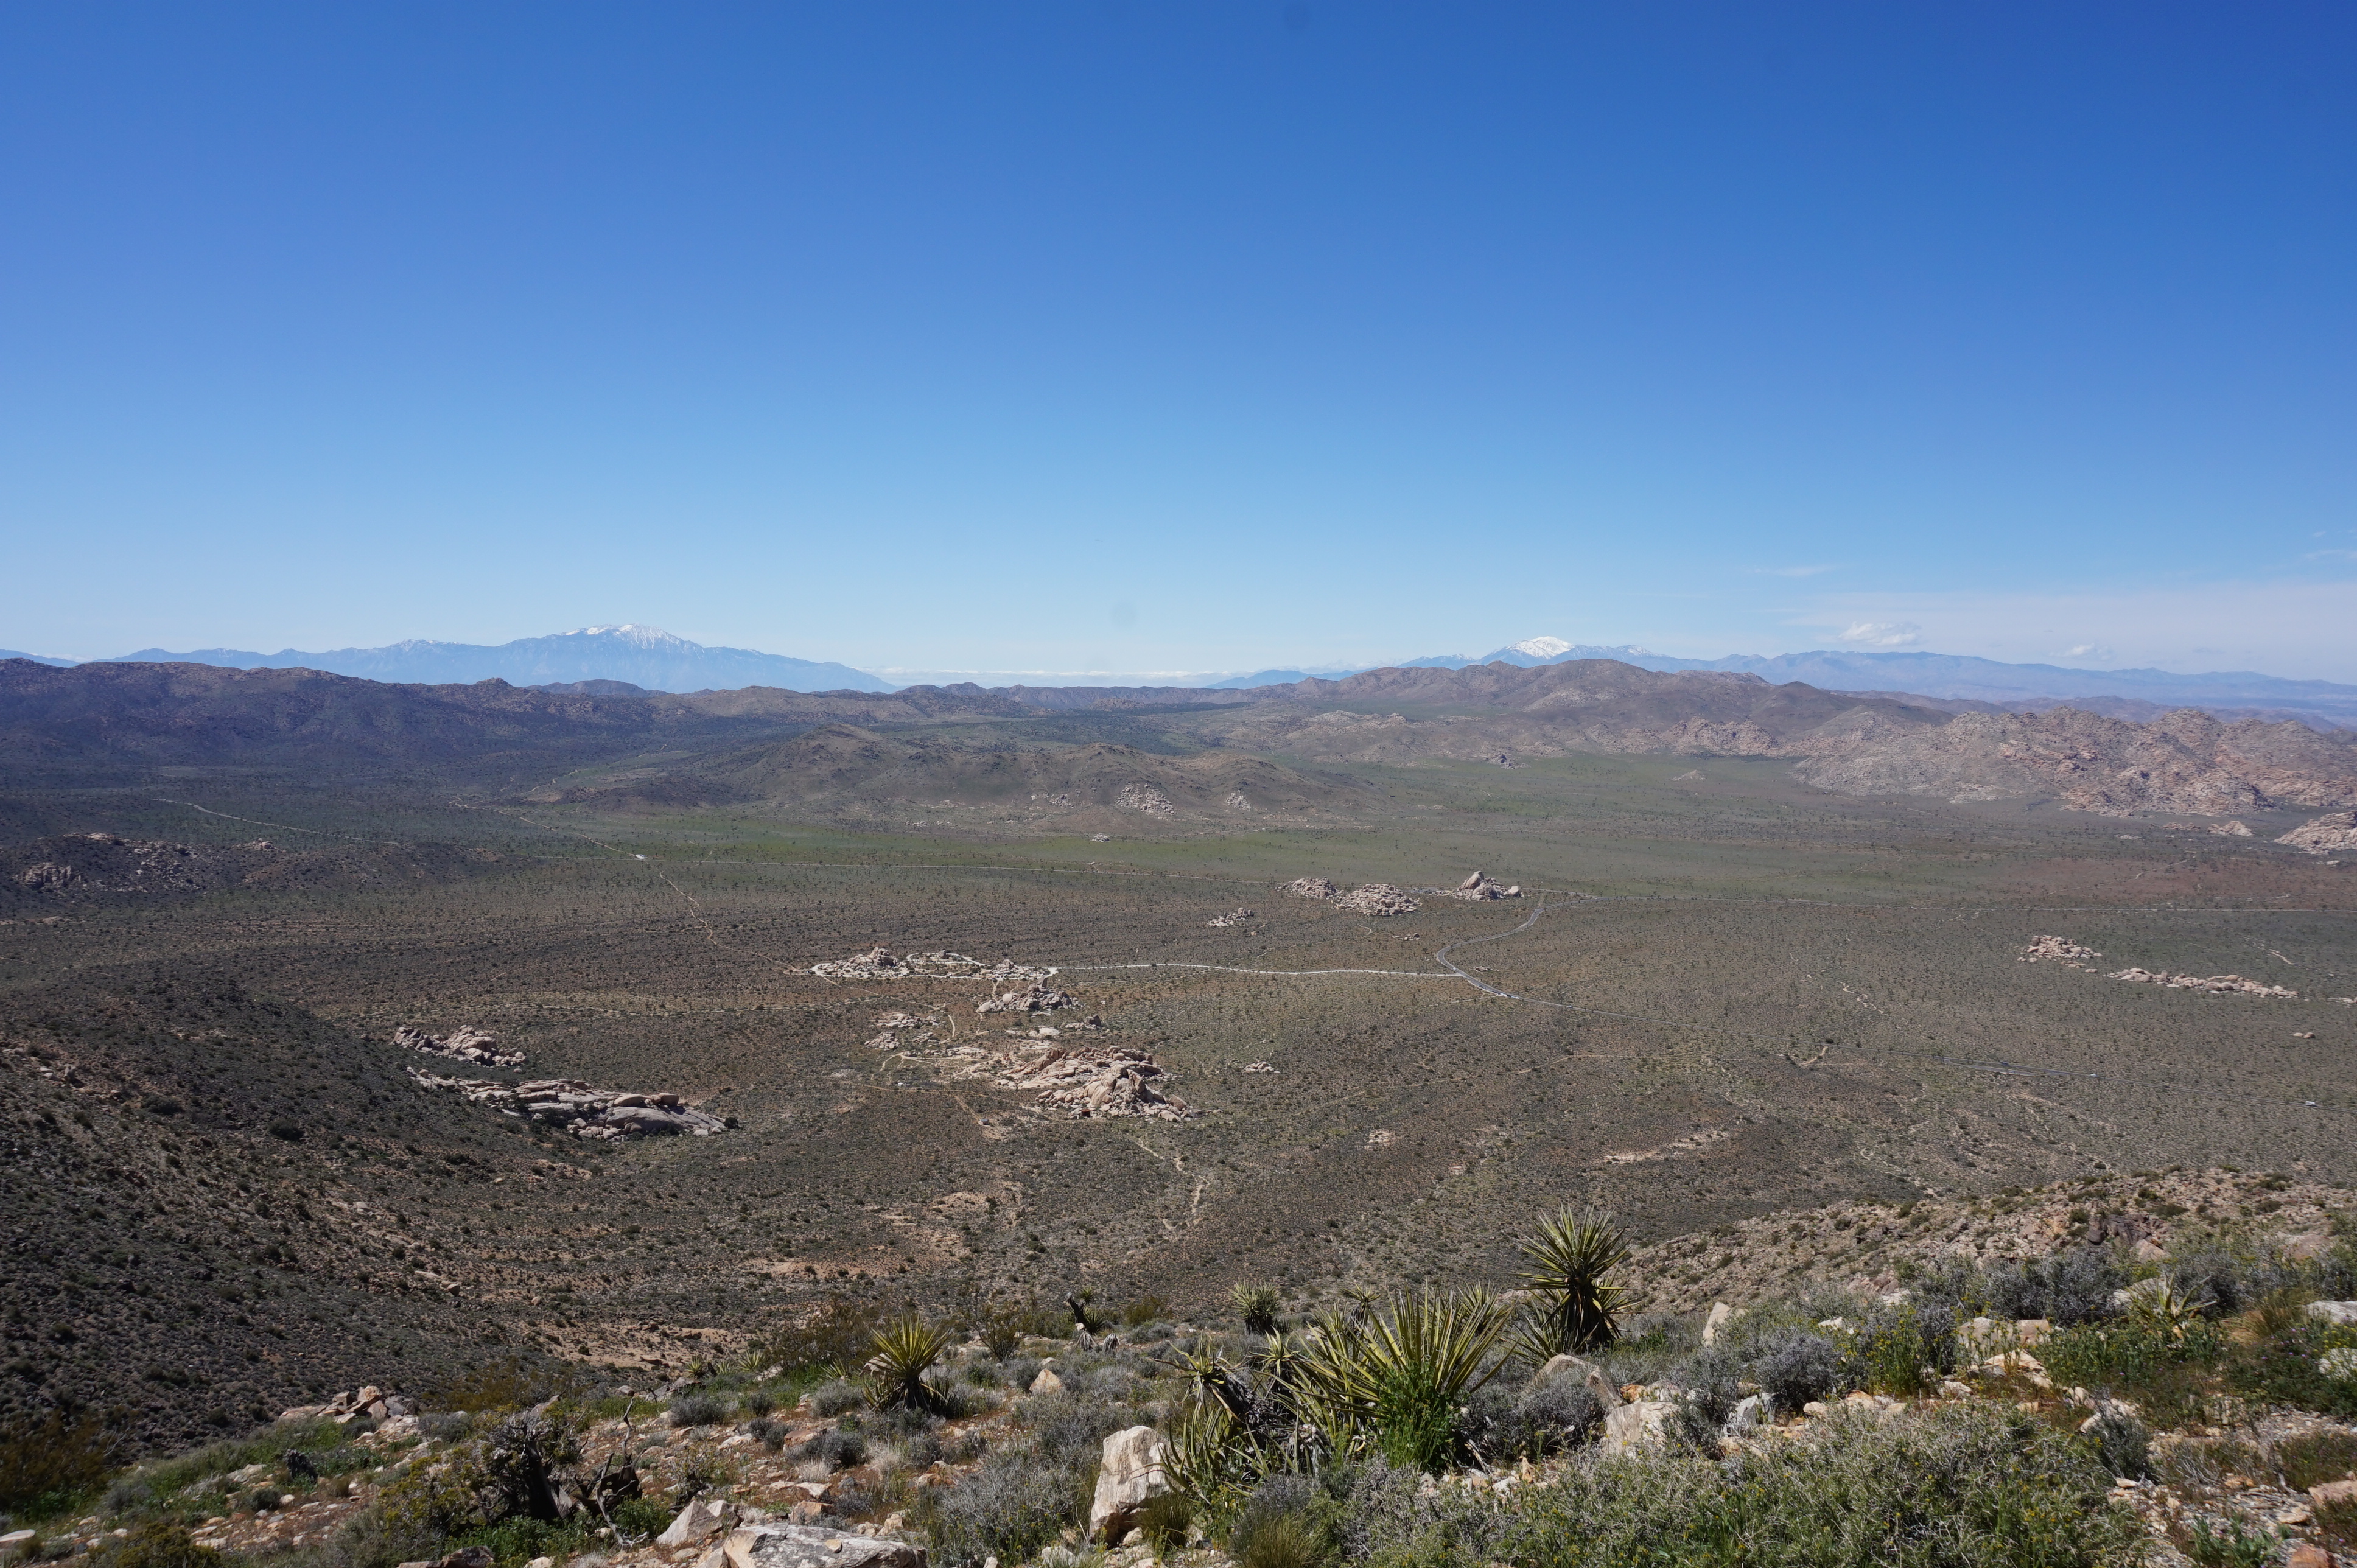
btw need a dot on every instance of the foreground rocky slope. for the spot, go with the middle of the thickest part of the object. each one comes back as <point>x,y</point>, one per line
<point>2116,1400</point>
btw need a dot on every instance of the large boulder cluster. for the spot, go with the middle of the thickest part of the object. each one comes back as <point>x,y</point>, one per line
<point>576,1108</point>
<point>2216,985</point>
<point>1088,1081</point>
<point>465,1043</point>
<point>1378,898</point>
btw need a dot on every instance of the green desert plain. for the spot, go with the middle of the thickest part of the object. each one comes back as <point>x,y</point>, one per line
<point>1719,994</point>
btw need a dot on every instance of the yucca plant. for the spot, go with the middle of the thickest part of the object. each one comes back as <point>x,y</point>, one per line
<point>905,1350</point>
<point>1259,1305</point>
<point>1572,1307</point>
<point>1394,1383</point>
<point>2167,1308</point>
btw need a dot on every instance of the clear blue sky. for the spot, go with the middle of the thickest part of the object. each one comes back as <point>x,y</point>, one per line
<point>1183,336</point>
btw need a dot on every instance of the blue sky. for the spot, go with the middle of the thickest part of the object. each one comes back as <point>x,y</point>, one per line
<point>1155,336</point>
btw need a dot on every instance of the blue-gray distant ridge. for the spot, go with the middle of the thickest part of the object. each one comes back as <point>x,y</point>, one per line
<point>642,655</point>
<point>1964,678</point>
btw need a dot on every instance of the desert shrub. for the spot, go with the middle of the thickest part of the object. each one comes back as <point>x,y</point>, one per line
<point>2234,1547</point>
<point>156,1545</point>
<point>698,1410</point>
<point>2122,1443</point>
<point>2336,1525</point>
<point>1022,1371</point>
<point>1288,1541</point>
<point>2162,1374</point>
<point>1963,1488</point>
<point>1277,1503</point>
<point>1501,1423</point>
<point>1165,1521</point>
<point>1258,1307</point>
<point>837,1336</point>
<point>513,1382</point>
<point>839,1449</point>
<point>760,1402</point>
<point>1074,1435</point>
<point>1143,1311</point>
<point>2287,1370</point>
<point>2072,1287</point>
<point>2318,1458</point>
<point>429,1503</point>
<point>904,1421</point>
<point>1796,1367</point>
<point>1008,1509</point>
<point>48,1464</point>
<point>768,1433</point>
<point>1898,1353</point>
<point>832,1398</point>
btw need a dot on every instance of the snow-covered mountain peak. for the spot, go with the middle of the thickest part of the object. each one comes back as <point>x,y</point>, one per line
<point>1542,646</point>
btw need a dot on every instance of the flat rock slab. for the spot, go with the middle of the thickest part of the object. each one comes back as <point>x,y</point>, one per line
<point>816,1546</point>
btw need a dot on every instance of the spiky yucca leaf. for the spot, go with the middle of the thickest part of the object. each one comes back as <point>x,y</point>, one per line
<point>1572,1307</point>
<point>2168,1308</point>
<point>905,1350</point>
<point>1394,1383</point>
<point>1259,1305</point>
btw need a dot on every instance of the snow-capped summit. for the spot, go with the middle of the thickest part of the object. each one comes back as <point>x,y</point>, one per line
<point>1542,646</point>
<point>636,636</point>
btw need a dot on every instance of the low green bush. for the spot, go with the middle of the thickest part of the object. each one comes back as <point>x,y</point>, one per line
<point>49,1464</point>
<point>1963,1487</point>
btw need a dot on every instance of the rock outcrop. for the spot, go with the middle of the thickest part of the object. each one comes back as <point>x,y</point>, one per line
<point>2216,985</point>
<point>1476,888</point>
<point>816,1546</point>
<point>465,1043</point>
<point>1377,898</point>
<point>2325,835</point>
<point>1088,1081</point>
<point>2055,950</point>
<point>576,1108</point>
<point>1312,888</point>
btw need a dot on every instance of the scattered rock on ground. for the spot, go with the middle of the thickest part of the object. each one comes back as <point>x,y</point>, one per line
<point>1312,888</point>
<point>1232,918</point>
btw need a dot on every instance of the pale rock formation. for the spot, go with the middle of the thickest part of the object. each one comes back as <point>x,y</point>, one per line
<point>575,1107</point>
<point>1129,1474</point>
<point>465,1043</point>
<point>1378,898</point>
<point>2325,835</point>
<point>2216,985</point>
<point>816,1546</point>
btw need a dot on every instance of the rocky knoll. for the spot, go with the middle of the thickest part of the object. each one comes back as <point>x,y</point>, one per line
<point>2325,835</point>
<point>2183,761</point>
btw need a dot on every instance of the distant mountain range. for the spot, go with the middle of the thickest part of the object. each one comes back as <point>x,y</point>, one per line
<point>656,661</point>
<point>1964,681</point>
<point>644,656</point>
